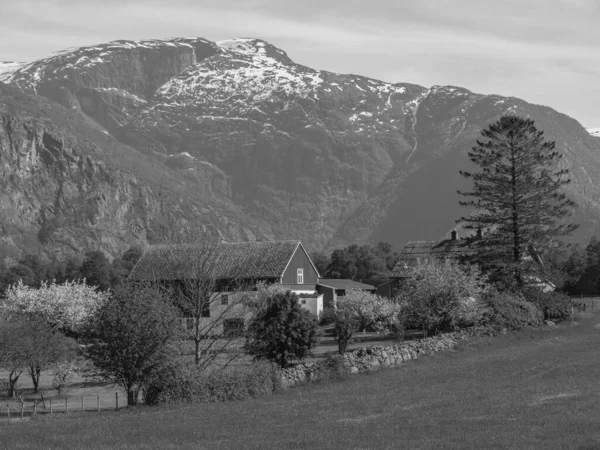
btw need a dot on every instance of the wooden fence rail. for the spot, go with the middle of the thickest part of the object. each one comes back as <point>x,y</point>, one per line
<point>15,411</point>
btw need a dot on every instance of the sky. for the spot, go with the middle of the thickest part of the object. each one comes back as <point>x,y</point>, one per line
<point>543,51</point>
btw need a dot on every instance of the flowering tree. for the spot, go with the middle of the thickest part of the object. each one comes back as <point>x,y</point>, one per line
<point>63,306</point>
<point>371,310</point>
<point>442,293</point>
<point>360,310</point>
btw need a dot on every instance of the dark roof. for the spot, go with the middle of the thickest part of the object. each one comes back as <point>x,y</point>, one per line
<point>344,284</point>
<point>424,250</point>
<point>231,260</point>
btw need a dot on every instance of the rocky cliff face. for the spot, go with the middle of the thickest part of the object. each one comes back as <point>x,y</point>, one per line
<point>66,189</point>
<point>286,150</point>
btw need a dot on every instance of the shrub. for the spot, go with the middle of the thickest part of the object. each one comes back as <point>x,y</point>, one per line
<point>436,292</point>
<point>469,312</point>
<point>345,324</point>
<point>188,384</point>
<point>281,330</point>
<point>554,305</point>
<point>512,311</point>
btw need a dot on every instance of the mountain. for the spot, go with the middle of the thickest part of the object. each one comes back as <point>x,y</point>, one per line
<point>260,145</point>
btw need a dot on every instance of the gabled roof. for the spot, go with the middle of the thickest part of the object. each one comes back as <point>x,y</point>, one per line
<point>445,249</point>
<point>422,250</point>
<point>344,284</point>
<point>231,260</point>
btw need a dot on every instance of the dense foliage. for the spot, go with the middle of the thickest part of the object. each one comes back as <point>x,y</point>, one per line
<point>281,330</point>
<point>512,311</point>
<point>438,295</point>
<point>516,198</point>
<point>179,383</point>
<point>554,306</point>
<point>133,336</point>
<point>370,264</point>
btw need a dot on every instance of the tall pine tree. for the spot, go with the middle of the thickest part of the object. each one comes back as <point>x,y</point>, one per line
<point>516,197</point>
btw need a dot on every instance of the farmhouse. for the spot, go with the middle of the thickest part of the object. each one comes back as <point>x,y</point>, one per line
<point>231,264</point>
<point>413,251</point>
<point>453,248</point>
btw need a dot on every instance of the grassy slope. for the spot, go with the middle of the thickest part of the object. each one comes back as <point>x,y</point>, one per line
<point>533,390</point>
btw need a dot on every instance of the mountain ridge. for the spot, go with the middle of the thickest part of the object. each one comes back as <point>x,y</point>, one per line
<point>328,158</point>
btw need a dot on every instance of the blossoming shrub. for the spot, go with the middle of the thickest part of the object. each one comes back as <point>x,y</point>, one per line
<point>442,294</point>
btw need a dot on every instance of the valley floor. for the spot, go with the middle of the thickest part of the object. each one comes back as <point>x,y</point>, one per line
<point>536,389</point>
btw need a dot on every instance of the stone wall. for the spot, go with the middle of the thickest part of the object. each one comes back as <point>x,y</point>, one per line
<point>372,358</point>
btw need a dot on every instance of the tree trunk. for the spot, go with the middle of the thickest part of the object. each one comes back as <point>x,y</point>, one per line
<point>34,372</point>
<point>132,396</point>
<point>197,340</point>
<point>13,377</point>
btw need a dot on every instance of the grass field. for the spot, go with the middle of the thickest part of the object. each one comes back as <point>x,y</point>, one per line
<point>536,389</point>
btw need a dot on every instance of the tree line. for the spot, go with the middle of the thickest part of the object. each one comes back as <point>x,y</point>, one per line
<point>32,269</point>
<point>370,263</point>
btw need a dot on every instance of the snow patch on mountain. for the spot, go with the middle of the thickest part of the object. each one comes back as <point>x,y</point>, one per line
<point>594,131</point>
<point>8,67</point>
<point>62,63</point>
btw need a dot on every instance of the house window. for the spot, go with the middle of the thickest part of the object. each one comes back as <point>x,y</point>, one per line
<point>300,276</point>
<point>189,323</point>
<point>206,309</point>
<point>225,299</point>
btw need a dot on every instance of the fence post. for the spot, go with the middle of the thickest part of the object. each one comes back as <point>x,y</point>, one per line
<point>34,408</point>
<point>66,404</point>
<point>7,413</point>
<point>82,407</point>
<point>116,401</point>
<point>98,402</point>
<point>22,407</point>
<point>50,399</point>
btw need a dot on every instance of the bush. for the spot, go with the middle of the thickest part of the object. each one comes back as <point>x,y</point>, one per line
<point>189,384</point>
<point>512,311</point>
<point>555,306</point>
<point>435,297</point>
<point>281,330</point>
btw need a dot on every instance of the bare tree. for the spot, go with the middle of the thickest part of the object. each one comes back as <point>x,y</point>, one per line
<point>208,286</point>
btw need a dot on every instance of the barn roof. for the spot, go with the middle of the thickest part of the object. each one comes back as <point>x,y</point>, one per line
<point>344,284</point>
<point>422,250</point>
<point>227,260</point>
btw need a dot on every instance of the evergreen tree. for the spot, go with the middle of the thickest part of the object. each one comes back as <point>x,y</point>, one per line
<point>516,197</point>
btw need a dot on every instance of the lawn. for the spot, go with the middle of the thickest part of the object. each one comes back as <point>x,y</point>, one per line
<point>536,389</point>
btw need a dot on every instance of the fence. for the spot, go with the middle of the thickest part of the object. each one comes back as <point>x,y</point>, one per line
<point>30,407</point>
<point>587,303</point>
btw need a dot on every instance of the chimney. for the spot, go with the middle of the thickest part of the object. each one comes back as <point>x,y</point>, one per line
<point>453,235</point>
